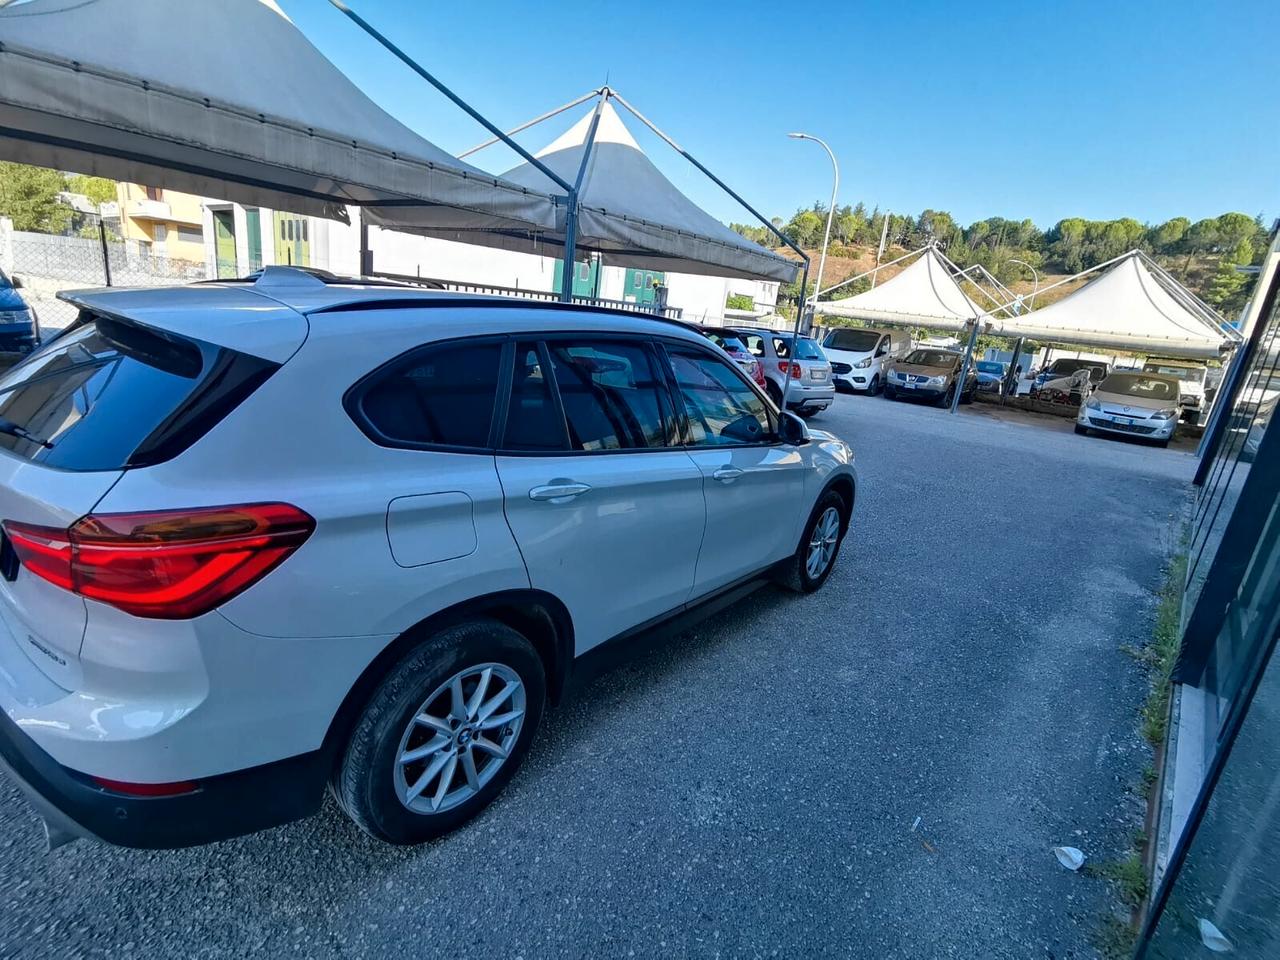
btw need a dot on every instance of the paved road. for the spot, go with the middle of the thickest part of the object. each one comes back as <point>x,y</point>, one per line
<point>749,790</point>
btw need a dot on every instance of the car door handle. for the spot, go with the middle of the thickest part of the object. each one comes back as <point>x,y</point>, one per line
<point>727,474</point>
<point>558,491</point>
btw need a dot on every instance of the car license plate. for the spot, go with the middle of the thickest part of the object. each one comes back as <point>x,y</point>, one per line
<point>909,385</point>
<point>817,374</point>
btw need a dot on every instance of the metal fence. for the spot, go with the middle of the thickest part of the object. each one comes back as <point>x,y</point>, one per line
<point>461,286</point>
<point>47,264</point>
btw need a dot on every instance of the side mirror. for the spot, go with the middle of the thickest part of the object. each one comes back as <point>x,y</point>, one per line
<point>17,283</point>
<point>792,430</point>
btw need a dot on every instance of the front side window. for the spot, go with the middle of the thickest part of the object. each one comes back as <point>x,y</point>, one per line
<point>720,407</point>
<point>443,395</point>
<point>610,391</point>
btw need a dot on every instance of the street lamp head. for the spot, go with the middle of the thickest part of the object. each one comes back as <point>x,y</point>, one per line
<point>798,136</point>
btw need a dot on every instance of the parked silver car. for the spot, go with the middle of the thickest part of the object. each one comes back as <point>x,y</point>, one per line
<point>1135,403</point>
<point>811,389</point>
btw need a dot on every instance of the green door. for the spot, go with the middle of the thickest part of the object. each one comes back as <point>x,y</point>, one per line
<point>638,285</point>
<point>224,244</point>
<point>586,277</point>
<point>253,227</point>
<point>293,245</point>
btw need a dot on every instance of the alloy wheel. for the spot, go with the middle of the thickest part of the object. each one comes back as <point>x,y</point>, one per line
<point>822,543</point>
<point>459,738</point>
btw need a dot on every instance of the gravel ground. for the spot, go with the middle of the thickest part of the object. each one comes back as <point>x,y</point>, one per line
<point>750,789</point>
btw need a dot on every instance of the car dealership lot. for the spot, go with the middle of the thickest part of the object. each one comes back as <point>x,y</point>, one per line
<point>752,787</point>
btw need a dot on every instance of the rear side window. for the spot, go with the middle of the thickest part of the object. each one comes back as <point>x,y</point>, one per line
<point>534,420</point>
<point>610,393</point>
<point>443,395</point>
<point>755,343</point>
<point>110,394</point>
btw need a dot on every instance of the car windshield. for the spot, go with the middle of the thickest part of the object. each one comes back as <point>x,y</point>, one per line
<point>931,358</point>
<point>855,341</point>
<point>1139,386</point>
<point>990,366</point>
<point>1185,374</point>
<point>806,349</point>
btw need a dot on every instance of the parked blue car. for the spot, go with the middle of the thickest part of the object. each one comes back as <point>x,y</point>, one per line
<point>991,374</point>
<point>18,330</point>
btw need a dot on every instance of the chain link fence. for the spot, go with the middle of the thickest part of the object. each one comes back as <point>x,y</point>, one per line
<point>48,264</point>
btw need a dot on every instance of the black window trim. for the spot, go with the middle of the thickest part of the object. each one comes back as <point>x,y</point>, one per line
<point>773,439</point>
<point>353,398</point>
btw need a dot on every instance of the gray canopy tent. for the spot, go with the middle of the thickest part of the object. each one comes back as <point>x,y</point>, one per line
<point>627,211</point>
<point>250,112</point>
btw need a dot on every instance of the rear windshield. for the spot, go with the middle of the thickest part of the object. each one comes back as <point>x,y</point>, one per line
<point>726,342</point>
<point>1186,374</point>
<point>109,394</point>
<point>1065,367</point>
<point>857,341</point>
<point>806,348</point>
<point>990,366</point>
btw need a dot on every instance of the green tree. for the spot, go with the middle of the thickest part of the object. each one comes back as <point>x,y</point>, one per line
<point>29,196</point>
<point>1229,289</point>
<point>98,189</point>
<point>1166,237</point>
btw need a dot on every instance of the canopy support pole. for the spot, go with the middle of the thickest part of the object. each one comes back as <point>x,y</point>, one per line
<point>801,302</point>
<point>531,123</point>
<point>768,224</point>
<point>366,255</point>
<point>871,272</point>
<point>571,214</point>
<point>457,100</point>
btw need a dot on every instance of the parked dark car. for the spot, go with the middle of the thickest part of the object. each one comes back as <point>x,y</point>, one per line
<point>1064,367</point>
<point>18,330</point>
<point>932,374</point>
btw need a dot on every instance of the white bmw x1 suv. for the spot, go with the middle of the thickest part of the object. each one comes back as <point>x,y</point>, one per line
<point>260,538</point>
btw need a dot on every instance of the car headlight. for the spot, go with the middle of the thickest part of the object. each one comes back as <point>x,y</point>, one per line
<point>895,375</point>
<point>1093,404</point>
<point>1164,414</point>
<point>863,363</point>
<point>15,316</point>
<point>937,381</point>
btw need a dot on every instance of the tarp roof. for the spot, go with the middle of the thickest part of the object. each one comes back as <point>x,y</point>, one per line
<point>1125,308</point>
<point>224,99</point>
<point>628,211</point>
<point>925,294</point>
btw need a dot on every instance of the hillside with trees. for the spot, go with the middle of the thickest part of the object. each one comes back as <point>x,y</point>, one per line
<point>1203,255</point>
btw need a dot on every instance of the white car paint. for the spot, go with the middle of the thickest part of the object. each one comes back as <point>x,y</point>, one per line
<point>400,534</point>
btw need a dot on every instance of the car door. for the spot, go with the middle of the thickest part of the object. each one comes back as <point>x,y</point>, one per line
<point>607,511</point>
<point>754,484</point>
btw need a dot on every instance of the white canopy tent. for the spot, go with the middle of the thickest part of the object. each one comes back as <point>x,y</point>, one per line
<point>925,294</point>
<point>227,100</point>
<point>627,210</point>
<point>1131,306</point>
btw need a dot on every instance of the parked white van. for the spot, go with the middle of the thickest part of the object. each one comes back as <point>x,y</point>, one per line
<point>858,355</point>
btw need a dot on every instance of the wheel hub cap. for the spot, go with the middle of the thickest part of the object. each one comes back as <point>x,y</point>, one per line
<point>459,738</point>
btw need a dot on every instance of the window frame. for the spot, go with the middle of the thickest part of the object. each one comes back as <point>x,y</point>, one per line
<point>772,439</point>
<point>666,402</point>
<point>353,398</point>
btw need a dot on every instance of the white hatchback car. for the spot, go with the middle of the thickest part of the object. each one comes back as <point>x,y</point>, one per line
<point>265,537</point>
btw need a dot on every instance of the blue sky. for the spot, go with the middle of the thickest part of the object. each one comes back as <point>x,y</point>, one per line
<point>1100,110</point>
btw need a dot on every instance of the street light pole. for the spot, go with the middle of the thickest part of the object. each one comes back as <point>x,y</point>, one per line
<point>831,212</point>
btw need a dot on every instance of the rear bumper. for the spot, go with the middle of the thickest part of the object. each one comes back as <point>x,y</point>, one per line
<point>802,396</point>
<point>231,805</point>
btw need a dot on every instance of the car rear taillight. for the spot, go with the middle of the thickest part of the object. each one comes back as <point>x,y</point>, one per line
<point>795,368</point>
<point>169,564</point>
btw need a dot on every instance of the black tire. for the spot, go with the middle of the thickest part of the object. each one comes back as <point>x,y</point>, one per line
<point>1083,431</point>
<point>808,413</point>
<point>890,393</point>
<point>945,401</point>
<point>775,393</point>
<point>876,386</point>
<point>1164,444</point>
<point>363,781</point>
<point>967,396</point>
<point>795,576</point>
